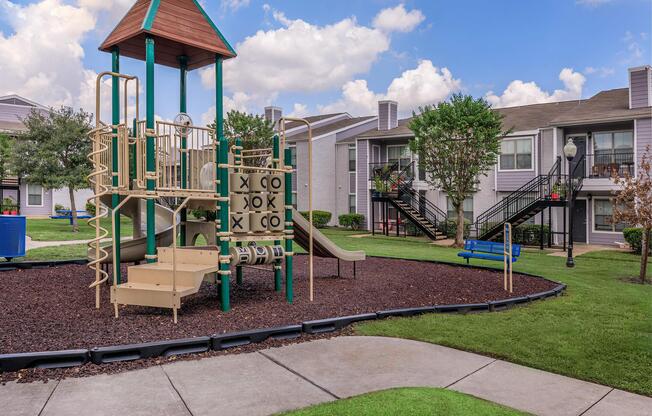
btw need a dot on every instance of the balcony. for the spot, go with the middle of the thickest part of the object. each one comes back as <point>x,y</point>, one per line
<point>607,164</point>
<point>10,182</point>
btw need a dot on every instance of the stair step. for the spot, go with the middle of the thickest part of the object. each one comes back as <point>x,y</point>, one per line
<point>148,294</point>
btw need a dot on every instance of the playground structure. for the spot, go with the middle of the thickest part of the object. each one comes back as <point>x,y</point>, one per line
<point>139,165</point>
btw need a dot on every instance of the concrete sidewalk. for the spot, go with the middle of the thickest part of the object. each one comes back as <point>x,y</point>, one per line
<point>299,375</point>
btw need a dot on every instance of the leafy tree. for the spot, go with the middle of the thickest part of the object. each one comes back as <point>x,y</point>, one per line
<point>457,141</point>
<point>6,144</point>
<point>53,152</point>
<point>633,204</point>
<point>254,130</point>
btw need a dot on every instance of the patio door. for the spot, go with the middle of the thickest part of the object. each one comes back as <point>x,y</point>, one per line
<point>580,142</point>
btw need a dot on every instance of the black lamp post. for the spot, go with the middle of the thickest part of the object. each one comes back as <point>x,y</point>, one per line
<point>570,150</point>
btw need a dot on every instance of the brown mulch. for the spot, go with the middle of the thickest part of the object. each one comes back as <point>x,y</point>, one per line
<point>53,309</point>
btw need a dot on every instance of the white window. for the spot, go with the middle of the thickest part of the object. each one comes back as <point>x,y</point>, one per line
<point>603,211</point>
<point>467,206</point>
<point>34,195</point>
<point>516,154</point>
<point>399,154</point>
<point>351,203</point>
<point>352,159</point>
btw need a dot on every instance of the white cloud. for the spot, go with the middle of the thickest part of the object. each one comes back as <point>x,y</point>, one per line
<point>426,84</point>
<point>592,3</point>
<point>44,61</point>
<point>234,5</point>
<point>300,57</point>
<point>239,101</point>
<point>398,19</point>
<point>523,93</point>
<point>634,52</point>
<point>299,110</point>
<point>41,60</point>
<point>601,71</point>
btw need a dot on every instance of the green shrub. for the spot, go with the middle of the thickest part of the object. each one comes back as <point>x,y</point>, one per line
<point>352,221</point>
<point>530,234</point>
<point>90,208</point>
<point>319,218</point>
<point>634,237</point>
<point>58,207</point>
<point>451,228</point>
<point>208,215</point>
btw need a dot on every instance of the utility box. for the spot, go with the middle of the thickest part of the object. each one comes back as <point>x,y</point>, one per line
<point>12,229</point>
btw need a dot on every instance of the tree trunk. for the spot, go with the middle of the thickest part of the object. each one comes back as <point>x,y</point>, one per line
<point>644,254</point>
<point>73,210</point>
<point>459,234</point>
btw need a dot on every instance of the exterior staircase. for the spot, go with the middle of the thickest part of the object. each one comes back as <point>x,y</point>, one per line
<point>530,199</point>
<point>162,284</point>
<point>426,216</point>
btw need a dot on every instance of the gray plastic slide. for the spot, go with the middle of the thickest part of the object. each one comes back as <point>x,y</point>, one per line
<point>136,248</point>
<point>322,246</point>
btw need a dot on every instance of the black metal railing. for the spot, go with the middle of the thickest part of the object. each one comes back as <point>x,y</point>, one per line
<point>551,186</point>
<point>399,185</point>
<point>610,163</point>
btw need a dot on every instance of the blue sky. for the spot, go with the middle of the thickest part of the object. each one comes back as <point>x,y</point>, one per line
<point>485,46</point>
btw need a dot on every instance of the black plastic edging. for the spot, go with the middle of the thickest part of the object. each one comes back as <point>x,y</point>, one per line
<point>9,266</point>
<point>132,352</point>
<point>320,326</point>
<point>240,338</point>
<point>462,308</point>
<point>405,312</point>
<point>45,359</point>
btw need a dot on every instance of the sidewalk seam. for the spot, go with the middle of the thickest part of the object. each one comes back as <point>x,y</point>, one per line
<point>49,397</point>
<point>598,401</point>
<point>176,390</point>
<point>296,373</point>
<point>471,373</point>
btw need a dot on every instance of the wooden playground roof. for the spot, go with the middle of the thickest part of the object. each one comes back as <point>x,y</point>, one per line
<point>179,28</point>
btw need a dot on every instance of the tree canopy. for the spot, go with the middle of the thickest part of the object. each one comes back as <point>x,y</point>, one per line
<point>6,144</point>
<point>633,204</point>
<point>53,151</point>
<point>255,131</point>
<point>457,141</point>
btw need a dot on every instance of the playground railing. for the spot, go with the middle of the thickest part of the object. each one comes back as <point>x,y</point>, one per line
<point>181,152</point>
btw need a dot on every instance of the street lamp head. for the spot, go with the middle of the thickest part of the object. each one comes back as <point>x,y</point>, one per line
<point>570,150</point>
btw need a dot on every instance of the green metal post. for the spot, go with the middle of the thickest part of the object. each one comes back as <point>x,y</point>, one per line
<point>183,70</point>
<point>276,154</point>
<point>115,120</point>
<point>223,187</point>
<point>289,294</point>
<point>238,269</point>
<point>150,150</point>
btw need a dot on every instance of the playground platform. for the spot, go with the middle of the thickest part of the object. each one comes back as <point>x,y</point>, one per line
<point>299,375</point>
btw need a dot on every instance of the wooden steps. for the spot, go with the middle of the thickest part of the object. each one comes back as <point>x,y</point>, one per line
<point>163,284</point>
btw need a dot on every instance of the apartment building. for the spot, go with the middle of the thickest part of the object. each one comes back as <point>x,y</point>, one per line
<point>610,129</point>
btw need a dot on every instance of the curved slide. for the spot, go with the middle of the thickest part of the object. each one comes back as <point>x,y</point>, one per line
<point>322,246</point>
<point>136,248</point>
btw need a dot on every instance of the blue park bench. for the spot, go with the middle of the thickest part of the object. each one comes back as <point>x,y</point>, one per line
<point>487,250</point>
<point>66,214</point>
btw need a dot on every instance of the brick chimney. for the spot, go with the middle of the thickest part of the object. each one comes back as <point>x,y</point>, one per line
<point>387,115</point>
<point>640,86</point>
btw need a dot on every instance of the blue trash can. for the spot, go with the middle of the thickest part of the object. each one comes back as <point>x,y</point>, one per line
<point>12,229</point>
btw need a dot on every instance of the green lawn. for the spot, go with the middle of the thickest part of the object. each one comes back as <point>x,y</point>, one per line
<point>600,330</point>
<point>67,252</point>
<point>47,229</point>
<point>408,401</point>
